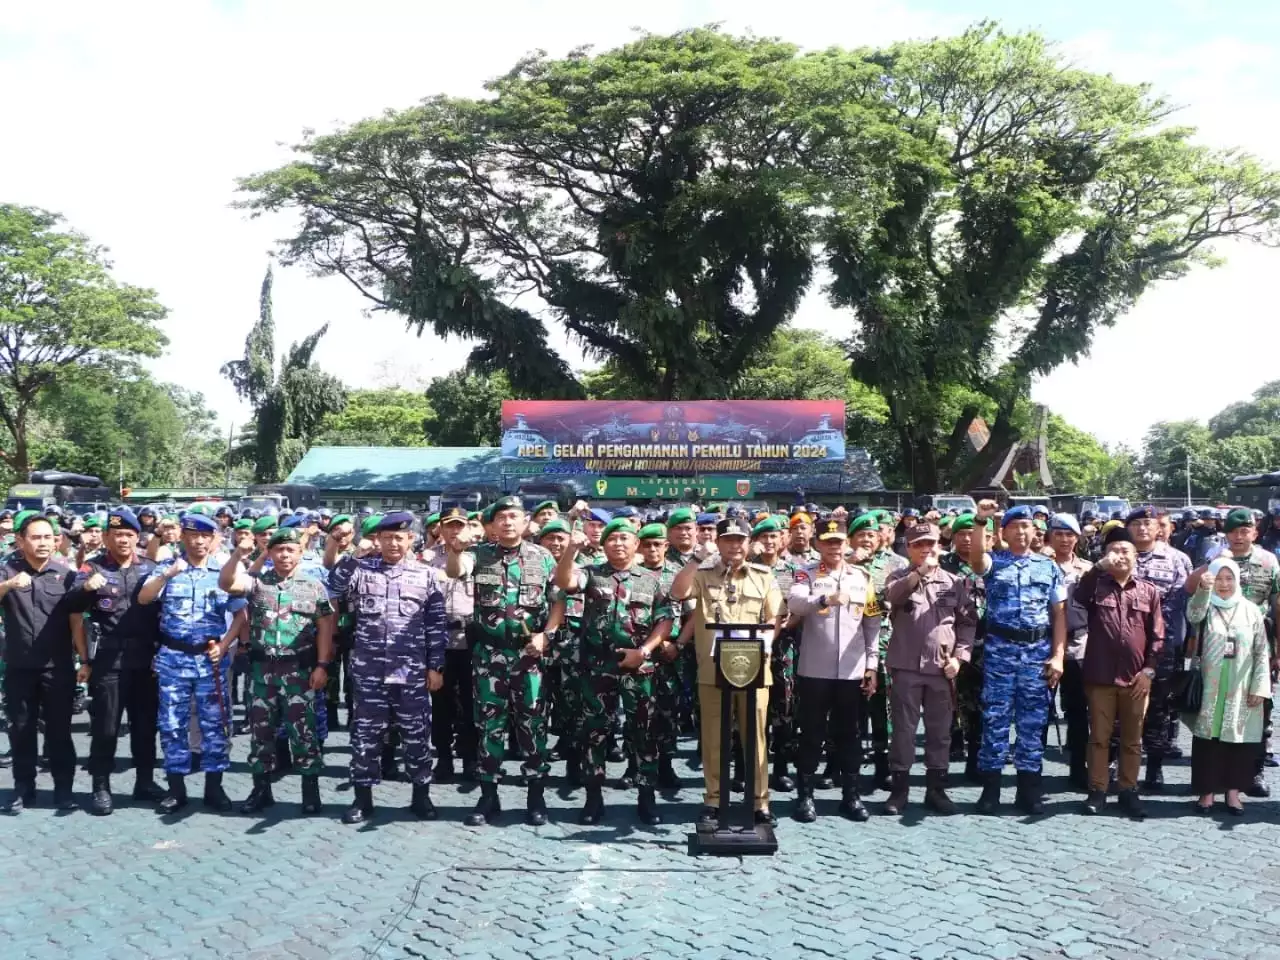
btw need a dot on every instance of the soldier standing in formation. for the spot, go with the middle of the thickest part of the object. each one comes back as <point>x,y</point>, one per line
<point>451,706</point>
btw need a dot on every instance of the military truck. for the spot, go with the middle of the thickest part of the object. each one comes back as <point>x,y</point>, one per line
<point>1258,491</point>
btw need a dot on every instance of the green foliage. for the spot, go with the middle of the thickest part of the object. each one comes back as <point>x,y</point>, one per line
<point>60,311</point>
<point>468,409</point>
<point>1080,464</point>
<point>388,418</point>
<point>289,407</point>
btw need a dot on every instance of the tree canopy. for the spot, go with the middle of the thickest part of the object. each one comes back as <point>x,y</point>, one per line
<point>387,418</point>
<point>60,310</point>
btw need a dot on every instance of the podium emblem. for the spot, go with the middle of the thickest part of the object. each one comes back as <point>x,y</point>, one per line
<point>740,661</point>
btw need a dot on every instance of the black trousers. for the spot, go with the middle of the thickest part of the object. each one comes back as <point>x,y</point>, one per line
<point>1155,728</point>
<point>451,710</point>
<point>835,706</point>
<point>1075,706</point>
<point>31,696</point>
<point>114,691</point>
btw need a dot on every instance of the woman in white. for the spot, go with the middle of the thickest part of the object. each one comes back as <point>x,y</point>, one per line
<point>1234,664</point>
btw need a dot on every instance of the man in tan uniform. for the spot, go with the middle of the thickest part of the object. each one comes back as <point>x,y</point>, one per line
<point>731,591</point>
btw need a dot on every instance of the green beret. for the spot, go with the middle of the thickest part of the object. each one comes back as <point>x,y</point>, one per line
<point>547,505</point>
<point>1041,526</point>
<point>683,515</point>
<point>504,503</point>
<point>245,524</point>
<point>965,521</point>
<point>24,517</point>
<point>175,518</point>
<point>947,523</point>
<point>285,535</point>
<point>620,525</point>
<point>264,524</point>
<point>768,525</point>
<point>473,515</point>
<point>553,526</point>
<point>340,518</point>
<point>93,522</point>
<point>369,525</point>
<point>431,520</point>
<point>1240,517</point>
<point>864,521</point>
<point>486,515</point>
<point>883,517</point>
<point>653,531</point>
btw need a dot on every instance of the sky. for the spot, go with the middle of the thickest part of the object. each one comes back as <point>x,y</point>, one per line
<point>133,120</point>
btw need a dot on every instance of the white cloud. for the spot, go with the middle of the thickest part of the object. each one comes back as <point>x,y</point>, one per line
<point>134,119</point>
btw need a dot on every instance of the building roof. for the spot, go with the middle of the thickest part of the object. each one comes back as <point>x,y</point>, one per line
<point>431,469</point>
<point>396,469</point>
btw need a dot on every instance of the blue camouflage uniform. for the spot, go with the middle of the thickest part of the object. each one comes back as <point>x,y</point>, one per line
<point>400,633</point>
<point>193,613</point>
<point>1019,640</point>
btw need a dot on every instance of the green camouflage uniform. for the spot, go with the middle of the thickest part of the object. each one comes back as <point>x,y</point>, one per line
<point>622,608</point>
<point>880,566</point>
<point>282,654</point>
<point>512,603</point>
<point>782,716</point>
<point>969,679</point>
<point>566,654</point>
<point>686,665</point>
<point>667,683</point>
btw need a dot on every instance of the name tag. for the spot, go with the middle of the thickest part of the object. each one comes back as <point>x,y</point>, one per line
<point>1229,651</point>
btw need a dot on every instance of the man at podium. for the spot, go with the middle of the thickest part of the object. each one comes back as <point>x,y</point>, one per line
<point>731,590</point>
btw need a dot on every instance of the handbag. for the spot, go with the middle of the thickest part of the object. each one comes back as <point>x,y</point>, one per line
<point>1187,687</point>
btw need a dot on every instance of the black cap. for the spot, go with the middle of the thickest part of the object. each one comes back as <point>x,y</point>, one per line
<point>1117,535</point>
<point>733,527</point>
<point>832,528</point>
<point>1141,513</point>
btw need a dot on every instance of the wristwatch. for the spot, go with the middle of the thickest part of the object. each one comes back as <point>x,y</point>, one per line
<point>1150,673</point>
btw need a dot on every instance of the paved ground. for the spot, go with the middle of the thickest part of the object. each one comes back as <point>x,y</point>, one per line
<point>138,886</point>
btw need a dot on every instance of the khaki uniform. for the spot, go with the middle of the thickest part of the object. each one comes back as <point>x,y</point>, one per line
<point>749,594</point>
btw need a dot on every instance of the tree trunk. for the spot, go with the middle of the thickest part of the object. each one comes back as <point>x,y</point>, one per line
<point>918,454</point>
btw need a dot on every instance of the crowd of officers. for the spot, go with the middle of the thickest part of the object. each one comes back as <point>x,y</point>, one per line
<point>473,638</point>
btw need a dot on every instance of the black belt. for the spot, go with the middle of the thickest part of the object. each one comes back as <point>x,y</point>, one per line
<point>1017,636</point>
<point>288,655</point>
<point>191,648</point>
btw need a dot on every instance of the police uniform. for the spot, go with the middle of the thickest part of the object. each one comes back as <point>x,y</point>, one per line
<point>1021,592</point>
<point>400,635</point>
<point>123,637</point>
<point>746,594</point>
<point>194,613</point>
<point>452,707</point>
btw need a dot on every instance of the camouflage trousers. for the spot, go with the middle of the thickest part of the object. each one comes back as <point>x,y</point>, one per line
<point>379,705</point>
<point>667,688</point>
<point>602,694</point>
<point>782,700</point>
<point>563,692</point>
<point>281,701</point>
<point>508,684</point>
<point>1014,694</point>
<point>969,699</point>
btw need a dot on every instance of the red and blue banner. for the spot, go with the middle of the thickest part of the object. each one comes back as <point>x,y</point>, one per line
<point>649,437</point>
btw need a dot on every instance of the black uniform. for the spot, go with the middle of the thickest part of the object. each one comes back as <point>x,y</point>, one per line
<point>40,676</point>
<point>127,636</point>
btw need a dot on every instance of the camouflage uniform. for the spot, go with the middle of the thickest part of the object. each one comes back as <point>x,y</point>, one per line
<point>622,608</point>
<point>969,680</point>
<point>880,566</point>
<point>667,681</point>
<point>282,636</point>
<point>399,635</point>
<point>782,707</point>
<point>686,665</point>
<point>512,603</point>
<point>452,703</point>
<point>563,672</point>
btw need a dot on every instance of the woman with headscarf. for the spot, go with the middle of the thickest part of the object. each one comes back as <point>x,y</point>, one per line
<point>1233,659</point>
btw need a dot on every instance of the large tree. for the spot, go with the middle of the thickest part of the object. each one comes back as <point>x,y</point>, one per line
<point>289,405</point>
<point>390,418</point>
<point>467,409</point>
<point>60,310</point>
<point>1044,201</point>
<point>658,200</point>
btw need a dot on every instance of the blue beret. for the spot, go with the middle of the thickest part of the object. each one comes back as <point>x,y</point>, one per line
<point>911,512</point>
<point>1141,513</point>
<point>599,516</point>
<point>122,518</point>
<point>400,520</point>
<point>1016,513</point>
<point>626,512</point>
<point>291,520</point>
<point>199,523</point>
<point>1064,521</point>
<point>708,519</point>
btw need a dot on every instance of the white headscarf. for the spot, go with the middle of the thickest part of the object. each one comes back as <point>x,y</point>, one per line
<point>1223,562</point>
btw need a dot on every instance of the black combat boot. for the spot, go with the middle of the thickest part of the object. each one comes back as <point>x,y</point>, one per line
<point>883,775</point>
<point>935,793</point>
<point>989,802</point>
<point>1029,798</point>
<point>443,772</point>
<point>1154,781</point>
<point>1131,804</point>
<point>310,794</point>
<point>22,796</point>
<point>1095,802</point>
<point>899,793</point>
<point>145,787</point>
<point>647,807</point>
<point>215,798</point>
<point>780,780</point>
<point>102,804</point>
<point>260,797</point>
<point>421,806</point>
<point>667,777</point>
<point>805,812</point>
<point>593,809</point>
<point>361,806</point>
<point>851,807</point>
<point>487,807</point>
<point>63,797</point>
<point>535,805</point>
<point>176,798</point>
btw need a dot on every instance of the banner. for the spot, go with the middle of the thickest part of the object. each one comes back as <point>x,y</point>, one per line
<point>672,437</point>
<point>671,488</point>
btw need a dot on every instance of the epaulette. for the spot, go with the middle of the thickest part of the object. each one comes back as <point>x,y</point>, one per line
<point>760,568</point>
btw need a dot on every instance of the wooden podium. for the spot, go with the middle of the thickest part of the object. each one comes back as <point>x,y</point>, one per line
<point>740,661</point>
